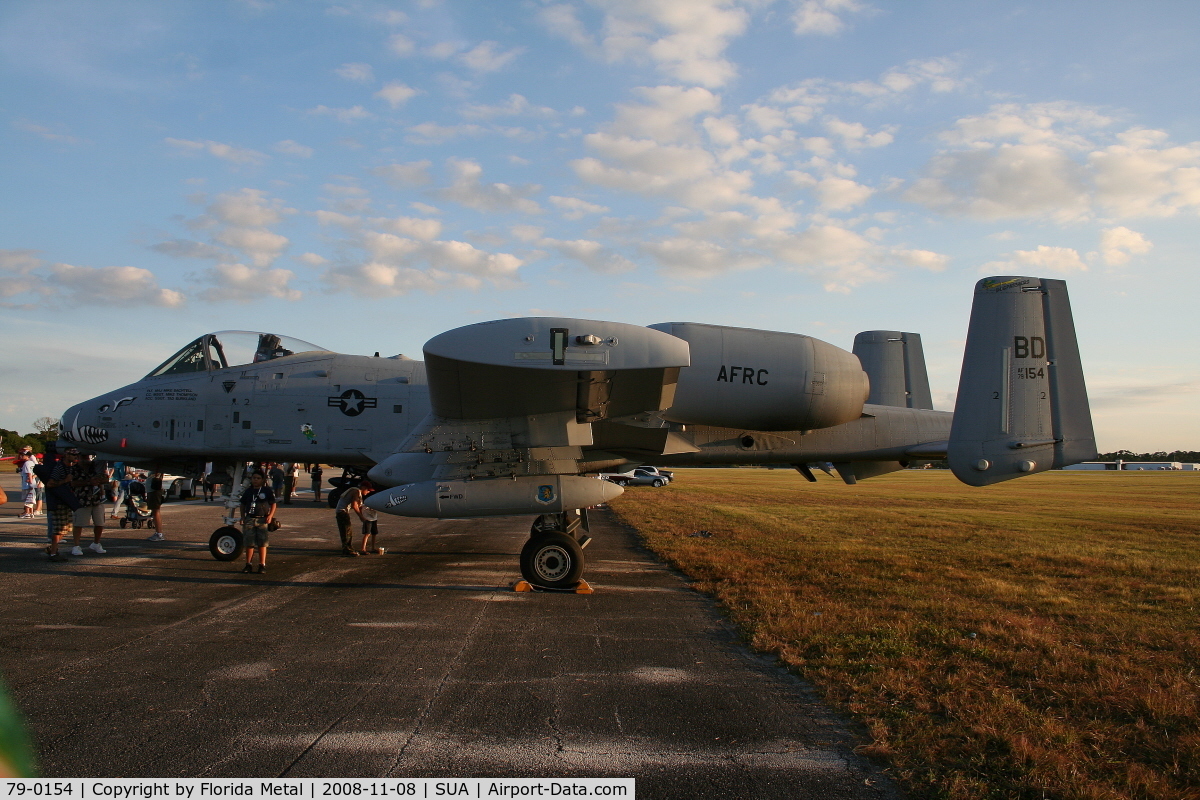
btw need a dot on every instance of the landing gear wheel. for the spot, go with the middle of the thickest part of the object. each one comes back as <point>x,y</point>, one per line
<point>552,561</point>
<point>334,496</point>
<point>225,543</point>
<point>123,522</point>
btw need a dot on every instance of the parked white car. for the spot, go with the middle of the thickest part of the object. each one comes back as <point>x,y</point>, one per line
<point>639,476</point>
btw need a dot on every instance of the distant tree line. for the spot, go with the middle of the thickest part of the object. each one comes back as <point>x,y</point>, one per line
<point>45,430</point>
<point>1191,456</point>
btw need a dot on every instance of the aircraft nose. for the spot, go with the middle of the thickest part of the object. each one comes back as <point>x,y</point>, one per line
<point>81,426</point>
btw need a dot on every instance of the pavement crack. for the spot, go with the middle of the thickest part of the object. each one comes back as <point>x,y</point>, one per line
<point>315,742</point>
<point>434,696</point>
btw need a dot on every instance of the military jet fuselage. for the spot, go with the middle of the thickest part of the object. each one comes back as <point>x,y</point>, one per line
<point>223,398</point>
<point>507,417</point>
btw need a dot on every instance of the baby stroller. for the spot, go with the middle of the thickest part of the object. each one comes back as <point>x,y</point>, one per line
<point>136,510</point>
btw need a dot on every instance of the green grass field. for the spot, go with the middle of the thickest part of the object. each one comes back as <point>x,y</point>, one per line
<point>1036,639</point>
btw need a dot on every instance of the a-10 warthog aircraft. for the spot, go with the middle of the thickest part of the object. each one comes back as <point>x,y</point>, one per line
<point>511,417</point>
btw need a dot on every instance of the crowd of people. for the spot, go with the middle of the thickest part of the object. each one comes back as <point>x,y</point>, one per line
<point>73,492</point>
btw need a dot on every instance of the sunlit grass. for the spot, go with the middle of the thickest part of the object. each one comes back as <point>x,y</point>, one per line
<point>1034,639</point>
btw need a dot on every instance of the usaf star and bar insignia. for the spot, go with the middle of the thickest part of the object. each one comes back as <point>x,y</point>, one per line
<point>352,402</point>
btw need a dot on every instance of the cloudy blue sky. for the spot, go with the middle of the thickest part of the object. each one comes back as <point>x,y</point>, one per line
<point>365,175</point>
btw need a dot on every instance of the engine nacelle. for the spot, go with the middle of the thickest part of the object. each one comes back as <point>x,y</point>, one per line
<point>764,380</point>
<point>495,497</point>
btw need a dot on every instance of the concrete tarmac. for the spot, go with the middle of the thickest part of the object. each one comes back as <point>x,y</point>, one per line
<point>156,660</point>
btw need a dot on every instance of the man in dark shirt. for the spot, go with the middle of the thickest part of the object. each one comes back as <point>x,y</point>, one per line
<point>258,509</point>
<point>55,474</point>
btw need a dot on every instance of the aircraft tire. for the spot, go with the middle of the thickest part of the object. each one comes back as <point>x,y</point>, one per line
<point>552,560</point>
<point>226,543</point>
<point>335,495</point>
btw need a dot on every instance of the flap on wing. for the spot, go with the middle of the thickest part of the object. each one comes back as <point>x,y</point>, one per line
<point>629,439</point>
<point>543,365</point>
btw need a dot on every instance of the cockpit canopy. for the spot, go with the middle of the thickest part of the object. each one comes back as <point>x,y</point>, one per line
<point>231,349</point>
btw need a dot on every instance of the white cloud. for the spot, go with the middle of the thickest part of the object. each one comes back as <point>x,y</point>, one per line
<point>1117,244</point>
<point>574,208</point>
<point>24,275</point>
<point>1144,176</point>
<point>240,283</point>
<point>526,233</point>
<point>401,45</point>
<point>594,255</point>
<point>485,57</point>
<point>666,115</point>
<point>186,248</point>
<point>684,39</point>
<point>240,221</point>
<point>290,148</point>
<point>225,152</point>
<point>347,221</point>
<point>355,72</point>
<point>561,21</point>
<point>412,173</point>
<point>423,229</point>
<point>397,265</point>
<point>820,17</point>
<point>261,245</point>
<point>1043,259</point>
<point>690,175</point>
<point>854,135</point>
<point>1013,180</point>
<point>352,114</point>
<point>397,93</point>
<point>432,133</point>
<point>312,259</point>
<point>1065,125</point>
<point>127,285</point>
<point>468,190</point>
<point>1057,160</point>
<point>923,259</point>
<point>697,257</point>
<point>19,276</point>
<point>839,194</point>
<point>516,105</point>
<point>248,208</point>
<point>44,132</point>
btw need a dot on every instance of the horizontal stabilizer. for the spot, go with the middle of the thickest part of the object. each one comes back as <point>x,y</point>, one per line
<point>895,363</point>
<point>1022,405</point>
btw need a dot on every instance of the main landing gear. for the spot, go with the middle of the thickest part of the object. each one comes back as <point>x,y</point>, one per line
<point>553,556</point>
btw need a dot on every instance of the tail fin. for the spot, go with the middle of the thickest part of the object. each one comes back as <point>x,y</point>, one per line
<point>895,363</point>
<point>1022,405</point>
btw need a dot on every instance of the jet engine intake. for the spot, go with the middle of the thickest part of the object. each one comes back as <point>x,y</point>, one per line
<point>764,380</point>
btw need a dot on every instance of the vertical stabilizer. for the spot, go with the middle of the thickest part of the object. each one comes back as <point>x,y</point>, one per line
<point>1022,405</point>
<point>895,363</point>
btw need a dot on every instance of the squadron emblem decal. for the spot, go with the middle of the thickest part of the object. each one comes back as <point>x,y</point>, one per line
<point>352,402</point>
<point>546,494</point>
